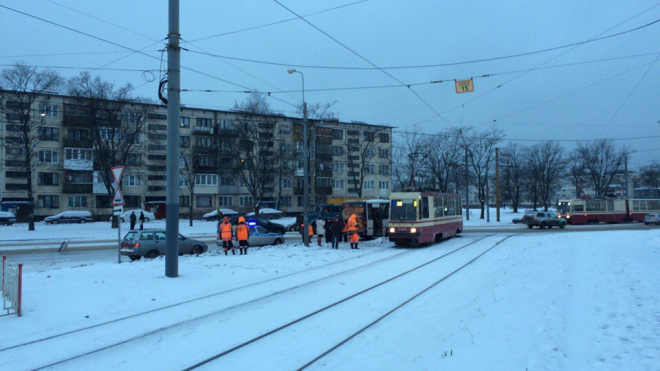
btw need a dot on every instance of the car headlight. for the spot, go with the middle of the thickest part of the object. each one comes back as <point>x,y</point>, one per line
<point>413,230</point>
<point>392,230</point>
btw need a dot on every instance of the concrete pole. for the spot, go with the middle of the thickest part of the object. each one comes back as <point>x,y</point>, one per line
<point>497,182</point>
<point>626,177</point>
<point>306,169</point>
<point>487,197</point>
<point>173,113</point>
<point>467,187</point>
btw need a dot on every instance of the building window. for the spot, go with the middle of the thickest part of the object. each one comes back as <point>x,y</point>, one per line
<point>285,201</point>
<point>131,180</point>
<point>226,124</point>
<point>353,133</point>
<point>134,159</point>
<point>383,184</point>
<point>48,201</point>
<point>337,134</point>
<point>300,183</point>
<point>49,110</point>
<point>156,116</point>
<point>353,141</point>
<point>226,201</point>
<point>132,117</point>
<point>286,183</point>
<point>13,151</point>
<point>48,179</point>
<point>368,185</point>
<point>383,153</point>
<point>384,137</point>
<point>203,201</point>
<point>337,167</point>
<point>77,134</point>
<point>48,156</point>
<point>184,121</point>
<point>204,122</point>
<point>241,182</point>
<point>77,201</point>
<point>324,165</point>
<point>369,169</point>
<point>206,179</point>
<point>285,147</point>
<point>324,182</point>
<point>246,201</point>
<point>369,152</point>
<point>369,136</point>
<point>157,147</point>
<point>338,184</point>
<point>204,142</point>
<point>184,141</point>
<point>132,201</point>
<point>80,178</point>
<point>114,134</point>
<point>284,130</point>
<point>184,181</point>
<point>184,201</point>
<point>77,154</point>
<point>299,201</point>
<point>337,150</point>
<point>384,169</point>
<point>205,160</point>
<point>48,133</point>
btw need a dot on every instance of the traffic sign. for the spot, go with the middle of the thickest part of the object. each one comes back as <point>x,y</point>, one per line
<point>464,86</point>
<point>118,198</point>
<point>117,172</point>
<point>117,210</point>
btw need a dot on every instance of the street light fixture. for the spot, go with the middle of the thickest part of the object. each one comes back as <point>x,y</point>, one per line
<point>305,235</point>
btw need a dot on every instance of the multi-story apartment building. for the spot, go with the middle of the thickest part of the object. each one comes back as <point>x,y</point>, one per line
<point>347,159</point>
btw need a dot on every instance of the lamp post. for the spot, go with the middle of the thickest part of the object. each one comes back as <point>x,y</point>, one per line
<point>305,235</point>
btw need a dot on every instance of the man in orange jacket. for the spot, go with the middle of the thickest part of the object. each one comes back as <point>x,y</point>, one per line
<point>224,229</point>
<point>242,235</point>
<point>352,230</point>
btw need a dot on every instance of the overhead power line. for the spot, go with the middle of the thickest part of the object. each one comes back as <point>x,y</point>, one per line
<point>275,23</point>
<point>281,64</point>
<point>451,135</point>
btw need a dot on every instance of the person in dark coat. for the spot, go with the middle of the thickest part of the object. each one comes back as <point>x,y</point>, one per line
<point>327,227</point>
<point>141,220</point>
<point>133,220</point>
<point>336,229</point>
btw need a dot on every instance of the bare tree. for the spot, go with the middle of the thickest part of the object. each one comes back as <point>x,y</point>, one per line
<point>513,172</point>
<point>21,86</point>
<point>481,150</point>
<point>404,158</point>
<point>547,165</point>
<point>650,175</point>
<point>576,172</point>
<point>188,173</point>
<point>444,152</point>
<point>362,147</point>
<point>602,161</point>
<point>116,120</point>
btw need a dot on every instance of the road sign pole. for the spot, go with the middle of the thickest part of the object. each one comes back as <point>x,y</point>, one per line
<point>118,240</point>
<point>117,206</point>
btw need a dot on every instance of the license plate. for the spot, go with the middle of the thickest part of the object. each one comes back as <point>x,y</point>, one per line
<point>402,229</point>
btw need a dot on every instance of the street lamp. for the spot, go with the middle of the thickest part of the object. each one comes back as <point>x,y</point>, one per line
<point>305,235</point>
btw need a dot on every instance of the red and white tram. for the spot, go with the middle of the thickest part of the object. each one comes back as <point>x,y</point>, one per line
<point>424,217</point>
<point>606,211</point>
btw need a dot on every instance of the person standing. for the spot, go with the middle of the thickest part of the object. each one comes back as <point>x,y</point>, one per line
<point>141,220</point>
<point>344,230</point>
<point>319,229</point>
<point>310,230</point>
<point>352,230</point>
<point>133,220</point>
<point>327,228</point>
<point>337,227</point>
<point>242,235</point>
<point>225,231</point>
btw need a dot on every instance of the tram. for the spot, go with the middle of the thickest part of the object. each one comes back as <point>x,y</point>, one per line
<point>581,211</point>
<point>372,216</point>
<point>422,218</point>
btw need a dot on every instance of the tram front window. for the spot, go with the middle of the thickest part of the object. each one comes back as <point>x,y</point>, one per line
<point>564,207</point>
<point>404,210</point>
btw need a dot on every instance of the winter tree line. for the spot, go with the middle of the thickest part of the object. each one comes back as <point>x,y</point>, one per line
<point>531,174</point>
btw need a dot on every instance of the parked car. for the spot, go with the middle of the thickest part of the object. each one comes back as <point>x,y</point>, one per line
<point>151,243</point>
<point>543,219</point>
<point>213,215</point>
<point>267,213</point>
<point>259,236</point>
<point>270,226</point>
<point>7,218</point>
<point>126,216</point>
<point>70,217</point>
<point>652,219</point>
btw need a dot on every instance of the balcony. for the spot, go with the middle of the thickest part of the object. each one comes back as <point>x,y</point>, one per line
<point>205,168</point>
<point>324,173</point>
<point>323,191</point>
<point>78,143</point>
<point>324,156</point>
<point>204,150</point>
<point>298,191</point>
<point>74,121</point>
<point>299,172</point>
<point>203,130</point>
<point>77,188</point>
<point>77,164</point>
<point>227,189</point>
<point>228,133</point>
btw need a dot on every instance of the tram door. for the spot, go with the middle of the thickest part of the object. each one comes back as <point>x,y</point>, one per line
<point>375,221</point>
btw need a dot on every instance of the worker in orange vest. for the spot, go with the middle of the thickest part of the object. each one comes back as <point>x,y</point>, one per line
<point>352,230</point>
<point>224,229</point>
<point>242,235</point>
<point>310,230</point>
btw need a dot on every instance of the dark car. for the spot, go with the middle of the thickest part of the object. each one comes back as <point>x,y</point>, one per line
<point>543,219</point>
<point>70,217</point>
<point>270,226</point>
<point>7,218</point>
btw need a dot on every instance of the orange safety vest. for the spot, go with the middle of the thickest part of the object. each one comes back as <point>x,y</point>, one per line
<point>310,228</point>
<point>242,233</point>
<point>352,225</point>
<point>225,231</point>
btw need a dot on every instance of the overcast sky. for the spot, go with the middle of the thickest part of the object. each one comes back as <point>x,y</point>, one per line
<point>617,98</point>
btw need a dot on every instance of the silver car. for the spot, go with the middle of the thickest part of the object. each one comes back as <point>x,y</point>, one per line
<point>151,243</point>
<point>652,219</point>
<point>259,236</point>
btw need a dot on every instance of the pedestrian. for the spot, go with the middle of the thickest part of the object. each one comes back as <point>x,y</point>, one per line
<point>319,229</point>
<point>242,235</point>
<point>133,219</point>
<point>352,230</point>
<point>141,220</point>
<point>337,227</point>
<point>327,228</point>
<point>224,229</point>
<point>310,231</point>
<point>344,230</point>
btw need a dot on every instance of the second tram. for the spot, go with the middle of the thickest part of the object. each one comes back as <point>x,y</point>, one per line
<point>606,211</point>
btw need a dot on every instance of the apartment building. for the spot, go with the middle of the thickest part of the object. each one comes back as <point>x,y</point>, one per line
<point>346,159</point>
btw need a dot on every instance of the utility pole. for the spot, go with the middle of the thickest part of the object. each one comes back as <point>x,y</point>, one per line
<point>497,182</point>
<point>173,113</point>
<point>487,196</point>
<point>306,169</point>
<point>626,177</point>
<point>467,187</point>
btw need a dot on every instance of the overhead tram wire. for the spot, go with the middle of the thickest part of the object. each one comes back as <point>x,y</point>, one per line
<point>86,68</point>
<point>505,139</point>
<point>122,46</point>
<point>449,64</point>
<point>277,22</point>
<point>364,59</point>
<point>63,54</point>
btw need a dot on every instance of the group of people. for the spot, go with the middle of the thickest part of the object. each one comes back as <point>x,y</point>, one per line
<point>334,230</point>
<point>133,218</point>
<point>242,233</point>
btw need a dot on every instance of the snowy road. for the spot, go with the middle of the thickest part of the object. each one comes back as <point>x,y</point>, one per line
<point>573,301</point>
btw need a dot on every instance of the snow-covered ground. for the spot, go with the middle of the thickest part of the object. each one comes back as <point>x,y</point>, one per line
<point>578,301</point>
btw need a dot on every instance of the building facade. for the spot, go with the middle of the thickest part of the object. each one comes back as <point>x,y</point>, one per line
<point>347,159</point>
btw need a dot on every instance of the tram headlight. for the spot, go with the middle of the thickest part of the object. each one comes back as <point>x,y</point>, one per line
<point>413,230</point>
<point>392,230</point>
